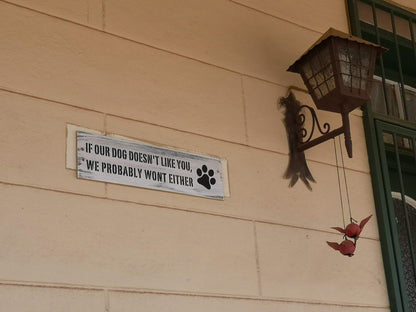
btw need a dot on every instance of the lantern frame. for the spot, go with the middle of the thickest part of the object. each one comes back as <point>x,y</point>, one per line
<point>338,72</point>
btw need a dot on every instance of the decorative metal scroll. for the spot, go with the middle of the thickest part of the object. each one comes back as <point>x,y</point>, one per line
<point>299,139</point>
<point>315,123</point>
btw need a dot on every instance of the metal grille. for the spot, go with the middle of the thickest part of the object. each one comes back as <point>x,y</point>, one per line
<point>390,127</point>
<point>397,146</point>
<point>394,29</point>
<point>402,211</point>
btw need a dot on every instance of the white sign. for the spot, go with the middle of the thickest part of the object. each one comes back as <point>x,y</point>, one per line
<point>106,159</point>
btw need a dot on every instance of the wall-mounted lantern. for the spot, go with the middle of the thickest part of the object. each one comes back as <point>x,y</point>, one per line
<point>338,73</point>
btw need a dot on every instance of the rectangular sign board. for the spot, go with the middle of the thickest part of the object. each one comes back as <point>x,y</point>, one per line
<point>106,159</point>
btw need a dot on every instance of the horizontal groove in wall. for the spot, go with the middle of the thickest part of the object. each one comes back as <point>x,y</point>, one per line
<point>159,48</point>
<point>173,129</point>
<point>228,216</point>
<point>183,294</point>
<point>274,16</point>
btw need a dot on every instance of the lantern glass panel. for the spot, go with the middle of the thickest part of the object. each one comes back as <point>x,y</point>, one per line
<point>312,82</point>
<point>356,82</point>
<point>328,72</point>
<point>363,85</point>
<point>354,60</point>
<point>316,66</point>
<point>325,56</point>
<point>320,78</point>
<point>318,72</point>
<point>365,56</point>
<point>331,84</point>
<point>307,70</point>
<point>324,89</point>
<point>318,93</point>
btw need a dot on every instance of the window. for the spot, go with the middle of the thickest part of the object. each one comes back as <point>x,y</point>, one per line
<point>406,209</point>
<point>394,29</point>
<point>390,127</point>
<point>386,99</point>
<point>394,180</point>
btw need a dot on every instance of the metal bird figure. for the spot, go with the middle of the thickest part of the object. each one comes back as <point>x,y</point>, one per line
<point>353,230</point>
<point>297,167</point>
<point>346,248</point>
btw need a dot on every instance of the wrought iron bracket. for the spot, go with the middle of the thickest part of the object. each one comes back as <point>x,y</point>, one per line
<point>326,134</point>
<point>304,138</point>
<point>300,139</point>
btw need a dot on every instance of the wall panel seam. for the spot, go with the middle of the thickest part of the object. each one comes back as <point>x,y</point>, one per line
<point>243,100</point>
<point>103,16</point>
<point>208,213</point>
<point>256,249</point>
<point>145,44</point>
<point>182,294</point>
<point>175,129</point>
<point>274,16</point>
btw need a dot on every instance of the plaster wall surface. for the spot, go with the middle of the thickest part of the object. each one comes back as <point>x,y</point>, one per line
<point>199,76</point>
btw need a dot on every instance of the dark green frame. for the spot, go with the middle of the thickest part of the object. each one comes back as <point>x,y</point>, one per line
<point>398,285</point>
<point>375,124</point>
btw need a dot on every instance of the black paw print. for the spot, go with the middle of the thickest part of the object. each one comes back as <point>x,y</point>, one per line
<point>205,177</point>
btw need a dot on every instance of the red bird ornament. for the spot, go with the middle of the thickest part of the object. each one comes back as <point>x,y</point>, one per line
<point>353,230</point>
<point>347,247</point>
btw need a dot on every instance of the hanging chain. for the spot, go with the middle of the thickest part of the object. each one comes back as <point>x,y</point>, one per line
<point>339,184</point>
<point>345,180</point>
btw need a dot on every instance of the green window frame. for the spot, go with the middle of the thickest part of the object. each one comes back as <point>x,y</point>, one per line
<point>393,115</point>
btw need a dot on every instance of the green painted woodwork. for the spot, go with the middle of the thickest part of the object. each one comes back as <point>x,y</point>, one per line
<point>392,168</point>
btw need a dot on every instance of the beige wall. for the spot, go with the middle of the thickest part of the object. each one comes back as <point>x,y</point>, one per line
<point>201,76</point>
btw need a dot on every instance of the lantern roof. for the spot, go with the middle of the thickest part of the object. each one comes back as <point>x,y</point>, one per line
<point>331,32</point>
